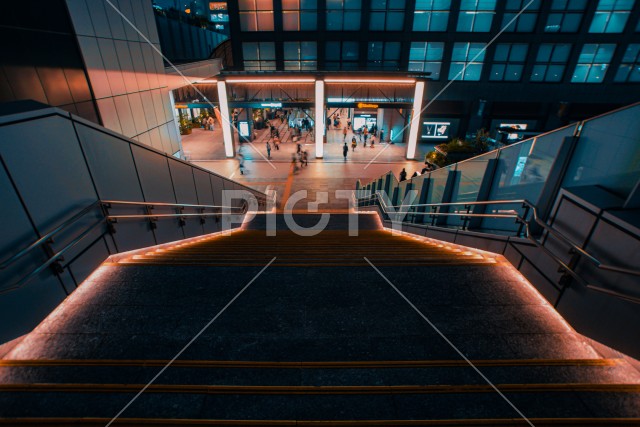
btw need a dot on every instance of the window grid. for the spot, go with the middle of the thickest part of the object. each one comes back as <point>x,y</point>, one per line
<point>383,55</point>
<point>300,56</point>
<point>551,62</point>
<point>476,15</point>
<point>629,70</point>
<point>508,62</point>
<point>259,56</point>
<point>343,15</point>
<point>341,55</point>
<point>526,22</point>
<point>256,15</point>
<point>431,15</point>
<point>593,63</point>
<point>466,61</point>
<point>299,15</point>
<point>611,16</point>
<point>426,57</point>
<point>565,16</point>
<point>387,15</point>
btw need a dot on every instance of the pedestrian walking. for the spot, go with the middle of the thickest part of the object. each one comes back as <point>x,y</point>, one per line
<point>241,161</point>
<point>268,150</point>
<point>353,144</point>
<point>344,133</point>
<point>294,162</point>
<point>403,175</point>
<point>373,140</point>
<point>345,150</point>
<point>304,158</point>
<point>276,142</point>
<point>299,149</point>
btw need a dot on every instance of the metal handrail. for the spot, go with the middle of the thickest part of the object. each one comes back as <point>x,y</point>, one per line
<point>177,205</point>
<point>47,237</point>
<point>106,204</point>
<point>527,224</point>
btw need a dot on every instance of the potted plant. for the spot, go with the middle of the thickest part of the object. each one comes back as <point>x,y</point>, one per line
<point>185,127</point>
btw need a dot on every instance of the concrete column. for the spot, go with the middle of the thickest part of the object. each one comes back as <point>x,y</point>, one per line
<point>320,121</point>
<point>415,121</point>
<point>226,123</point>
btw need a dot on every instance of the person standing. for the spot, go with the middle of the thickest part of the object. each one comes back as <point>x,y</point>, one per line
<point>353,144</point>
<point>344,133</point>
<point>381,135</point>
<point>304,158</point>
<point>373,140</point>
<point>276,142</point>
<point>241,160</point>
<point>403,175</point>
<point>268,150</point>
<point>345,150</point>
<point>210,123</point>
<point>365,131</point>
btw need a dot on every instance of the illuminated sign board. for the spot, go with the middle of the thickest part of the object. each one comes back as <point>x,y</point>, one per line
<point>514,126</point>
<point>363,105</point>
<point>272,104</point>
<point>436,129</point>
<point>243,127</point>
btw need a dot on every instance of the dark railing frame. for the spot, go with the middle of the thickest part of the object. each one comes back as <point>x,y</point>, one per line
<point>567,269</point>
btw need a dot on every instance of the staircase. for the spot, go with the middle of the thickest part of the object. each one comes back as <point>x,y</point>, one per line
<point>319,338</point>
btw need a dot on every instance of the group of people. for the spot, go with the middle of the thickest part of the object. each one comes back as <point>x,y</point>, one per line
<point>207,123</point>
<point>428,167</point>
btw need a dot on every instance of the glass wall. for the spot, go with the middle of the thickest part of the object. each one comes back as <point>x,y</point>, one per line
<point>608,153</point>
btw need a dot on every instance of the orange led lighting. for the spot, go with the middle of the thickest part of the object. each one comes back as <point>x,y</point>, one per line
<point>270,80</point>
<point>390,81</point>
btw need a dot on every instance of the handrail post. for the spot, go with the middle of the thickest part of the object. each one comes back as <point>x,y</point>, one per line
<point>55,266</point>
<point>525,214</point>
<point>465,219</point>
<point>152,221</point>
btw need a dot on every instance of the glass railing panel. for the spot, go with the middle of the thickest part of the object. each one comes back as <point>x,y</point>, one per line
<point>437,184</point>
<point>608,153</point>
<point>522,172</point>
<point>470,174</point>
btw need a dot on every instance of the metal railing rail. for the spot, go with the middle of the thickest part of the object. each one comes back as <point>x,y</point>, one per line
<point>54,258</point>
<point>522,219</point>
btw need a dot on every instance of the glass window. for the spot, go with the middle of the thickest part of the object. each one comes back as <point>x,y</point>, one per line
<point>383,55</point>
<point>300,56</point>
<point>593,63</point>
<point>299,15</point>
<point>526,22</point>
<point>426,57</point>
<point>467,60</point>
<point>256,15</point>
<point>431,15</point>
<point>611,16</point>
<point>476,15</point>
<point>343,15</point>
<point>259,55</point>
<point>508,62</point>
<point>629,70</point>
<point>387,15</point>
<point>550,62</point>
<point>565,16</point>
<point>341,55</point>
